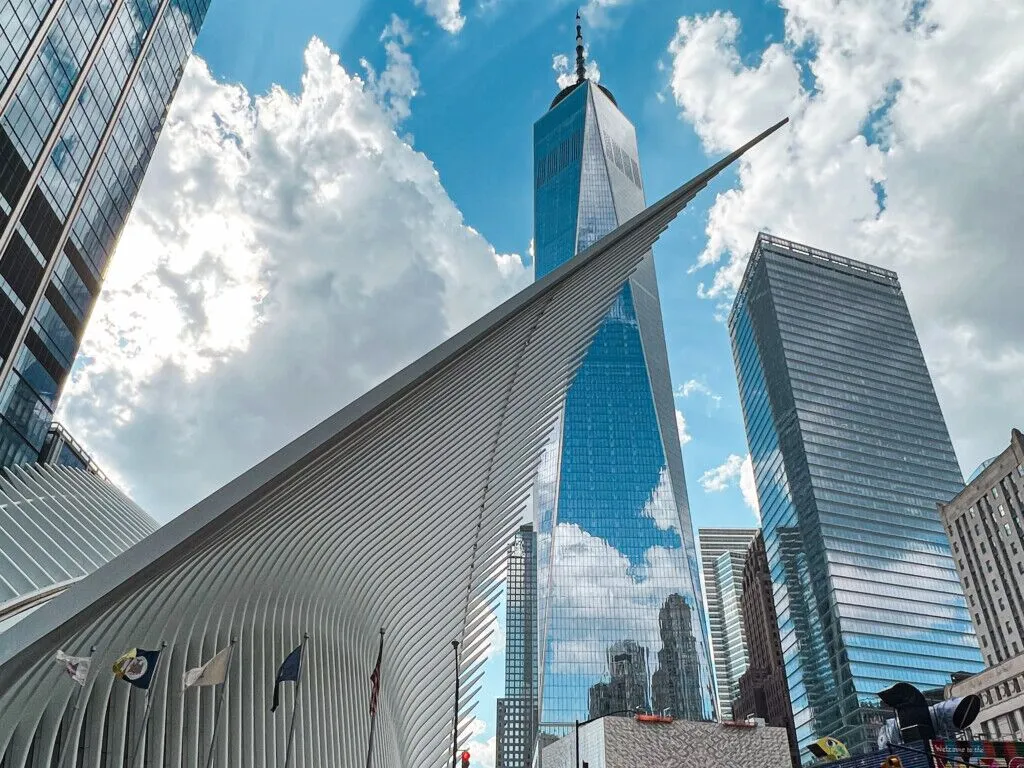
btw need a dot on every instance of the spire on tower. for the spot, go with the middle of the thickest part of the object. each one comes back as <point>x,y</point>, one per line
<point>581,69</point>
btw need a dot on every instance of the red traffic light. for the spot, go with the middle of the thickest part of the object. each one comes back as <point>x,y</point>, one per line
<point>465,759</point>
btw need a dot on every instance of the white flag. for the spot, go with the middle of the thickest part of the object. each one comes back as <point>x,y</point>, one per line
<point>77,667</point>
<point>213,672</point>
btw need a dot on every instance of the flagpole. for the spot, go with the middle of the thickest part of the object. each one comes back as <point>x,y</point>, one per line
<point>295,709</point>
<point>149,704</point>
<point>373,714</point>
<point>220,702</point>
<point>78,700</point>
<point>455,722</point>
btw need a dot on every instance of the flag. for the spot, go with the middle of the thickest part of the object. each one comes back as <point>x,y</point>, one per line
<point>77,667</point>
<point>213,672</point>
<point>137,667</point>
<point>375,677</point>
<point>289,670</point>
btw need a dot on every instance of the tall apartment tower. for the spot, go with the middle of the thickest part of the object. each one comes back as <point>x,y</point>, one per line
<point>723,552</point>
<point>84,89</point>
<point>614,536</point>
<point>851,455</point>
<point>984,523</point>
<point>762,687</point>
<point>517,710</point>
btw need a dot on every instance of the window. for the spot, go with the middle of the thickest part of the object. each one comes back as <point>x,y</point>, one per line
<point>1015,650</point>
<point>995,493</point>
<point>971,598</point>
<point>1015,681</point>
<point>971,512</point>
<point>1002,605</point>
<point>984,641</point>
<point>1002,511</point>
<point>1008,627</point>
<point>956,546</point>
<point>1020,566</point>
<point>988,565</point>
<point>1020,470</point>
<point>982,545</point>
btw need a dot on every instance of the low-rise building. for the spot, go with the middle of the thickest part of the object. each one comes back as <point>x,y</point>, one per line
<point>626,742</point>
<point>1001,689</point>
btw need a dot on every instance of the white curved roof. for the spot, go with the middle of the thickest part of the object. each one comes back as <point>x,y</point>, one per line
<point>394,512</point>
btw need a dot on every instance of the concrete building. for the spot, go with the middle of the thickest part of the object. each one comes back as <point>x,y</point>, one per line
<point>985,524</point>
<point>57,525</point>
<point>722,554</point>
<point>762,688</point>
<point>850,454</point>
<point>624,742</point>
<point>1001,689</point>
<point>347,529</point>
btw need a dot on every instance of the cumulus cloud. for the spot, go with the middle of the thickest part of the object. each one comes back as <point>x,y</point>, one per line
<point>447,14</point>
<point>684,435</point>
<point>903,151</point>
<point>718,478</point>
<point>749,488</point>
<point>286,253</point>
<point>565,69</point>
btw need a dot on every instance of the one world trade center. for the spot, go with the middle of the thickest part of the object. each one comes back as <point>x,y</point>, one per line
<point>621,620</point>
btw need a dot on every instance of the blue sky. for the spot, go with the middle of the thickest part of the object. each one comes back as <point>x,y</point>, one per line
<point>481,90</point>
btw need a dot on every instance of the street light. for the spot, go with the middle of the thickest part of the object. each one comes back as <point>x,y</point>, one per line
<point>593,719</point>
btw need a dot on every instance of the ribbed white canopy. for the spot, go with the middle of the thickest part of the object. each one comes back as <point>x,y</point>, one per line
<point>394,512</point>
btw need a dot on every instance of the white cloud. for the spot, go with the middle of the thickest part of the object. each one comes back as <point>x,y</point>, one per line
<point>481,750</point>
<point>447,14</point>
<point>749,488</point>
<point>661,506</point>
<point>719,478</point>
<point>598,13</point>
<point>684,435</point>
<point>396,86</point>
<point>734,471</point>
<point>285,254</point>
<point>693,386</point>
<point>565,69</point>
<point>903,151</point>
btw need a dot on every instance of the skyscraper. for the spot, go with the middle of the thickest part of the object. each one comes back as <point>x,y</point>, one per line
<point>851,455</point>
<point>84,89</point>
<point>723,552</point>
<point>517,710</point>
<point>614,533</point>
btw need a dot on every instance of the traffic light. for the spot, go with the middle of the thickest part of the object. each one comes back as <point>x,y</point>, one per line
<point>465,758</point>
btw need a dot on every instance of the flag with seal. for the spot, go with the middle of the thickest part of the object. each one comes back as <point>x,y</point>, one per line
<point>137,667</point>
<point>77,667</point>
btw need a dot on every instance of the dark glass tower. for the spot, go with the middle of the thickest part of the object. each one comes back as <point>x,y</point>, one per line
<point>84,89</point>
<point>614,535</point>
<point>517,710</point>
<point>850,454</point>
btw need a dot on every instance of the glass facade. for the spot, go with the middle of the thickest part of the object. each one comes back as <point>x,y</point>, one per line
<point>84,90</point>
<point>621,616</point>
<point>517,711</point>
<point>851,455</point>
<point>723,552</point>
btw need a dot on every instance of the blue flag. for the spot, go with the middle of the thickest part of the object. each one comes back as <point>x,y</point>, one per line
<point>137,667</point>
<point>289,671</point>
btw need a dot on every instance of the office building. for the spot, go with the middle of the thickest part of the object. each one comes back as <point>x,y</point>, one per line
<point>850,454</point>
<point>621,534</point>
<point>517,711</point>
<point>722,554</point>
<point>984,524</point>
<point>347,529</point>
<point>626,742</point>
<point>763,692</point>
<point>84,89</point>
<point>58,524</point>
